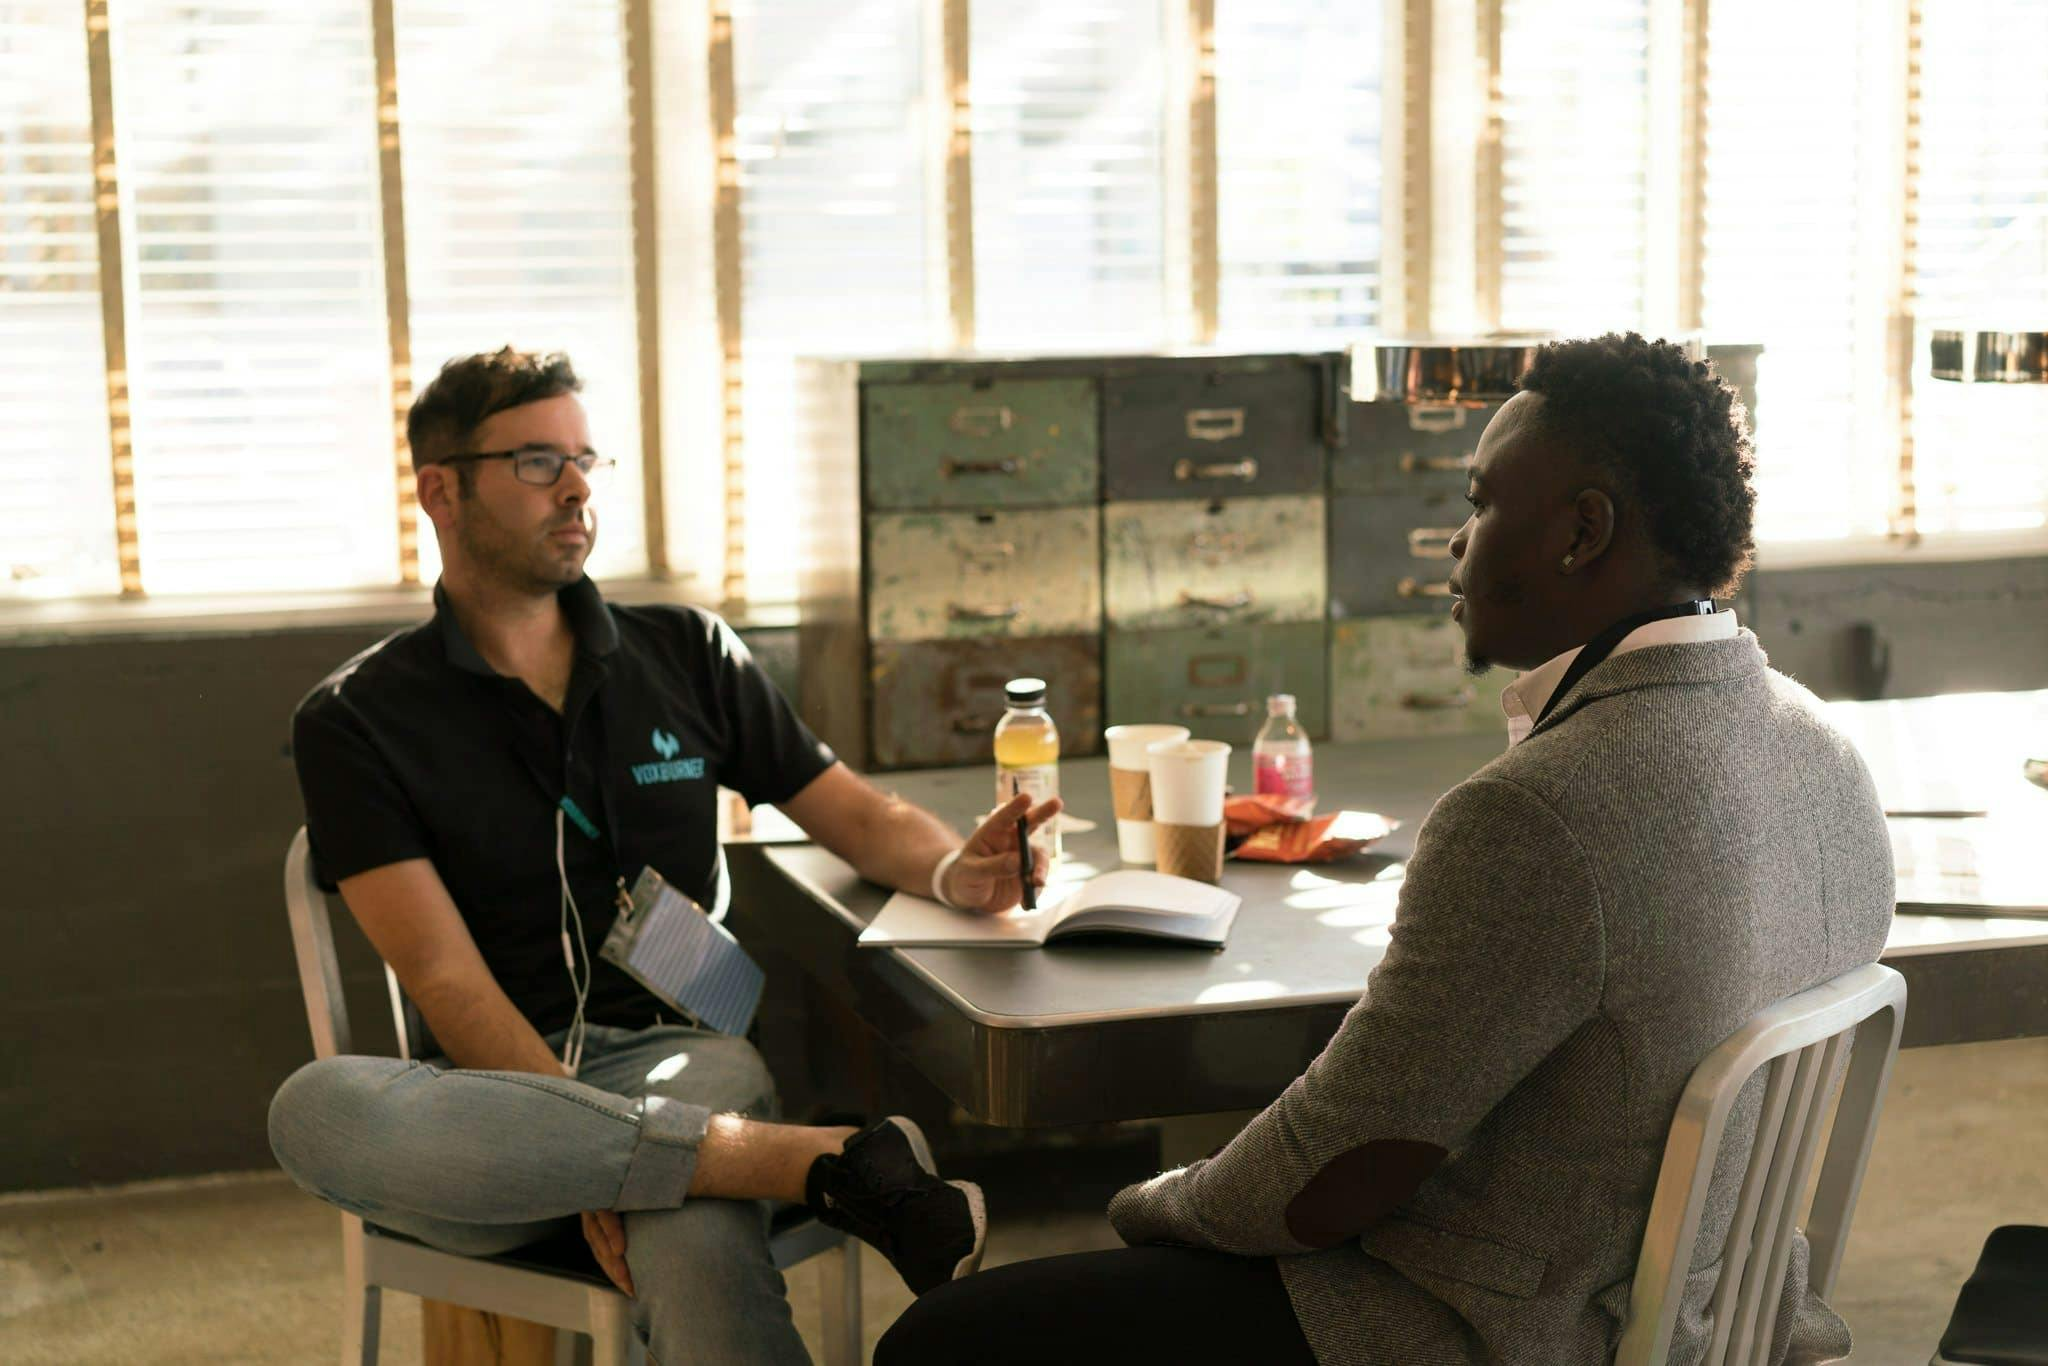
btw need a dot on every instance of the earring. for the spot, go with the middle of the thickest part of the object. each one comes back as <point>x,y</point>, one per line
<point>1568,561</point>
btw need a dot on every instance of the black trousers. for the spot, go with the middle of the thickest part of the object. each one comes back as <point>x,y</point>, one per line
<point>1131,1304</point>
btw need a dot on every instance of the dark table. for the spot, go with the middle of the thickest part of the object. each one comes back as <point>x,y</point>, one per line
<point>1091,1031</point>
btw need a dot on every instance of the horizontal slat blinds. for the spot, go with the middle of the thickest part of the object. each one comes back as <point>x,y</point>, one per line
<point>1298,170</point>
<point>1981,258</point>
<point>1068,112</point>
<point>519,213</point>
<point>833,221</point>
<point>256,342</point>
<point>1574,86</point>
<point>56,500</point>
<point>1792,206</point>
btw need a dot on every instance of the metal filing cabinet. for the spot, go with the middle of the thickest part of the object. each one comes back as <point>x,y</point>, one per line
<point>969,521</point>
<point>1397,498</point>
<point>1215,577</point>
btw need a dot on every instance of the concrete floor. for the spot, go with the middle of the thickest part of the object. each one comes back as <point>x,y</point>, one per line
<point>246,1269</point>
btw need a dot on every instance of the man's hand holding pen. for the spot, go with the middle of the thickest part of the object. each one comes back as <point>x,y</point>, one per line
<point>988,875</point>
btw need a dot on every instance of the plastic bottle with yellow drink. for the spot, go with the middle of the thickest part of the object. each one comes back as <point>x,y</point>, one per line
<point>1027,747</point>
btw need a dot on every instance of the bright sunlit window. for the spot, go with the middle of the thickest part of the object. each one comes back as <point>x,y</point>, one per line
<point>1298,171</point>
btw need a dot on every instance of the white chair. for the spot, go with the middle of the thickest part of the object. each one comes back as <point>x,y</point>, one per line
<point>1801,1039</point>
<point>534,1284</point>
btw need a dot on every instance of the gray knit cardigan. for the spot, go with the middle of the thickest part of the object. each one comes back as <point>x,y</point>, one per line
<point>1681,842</point>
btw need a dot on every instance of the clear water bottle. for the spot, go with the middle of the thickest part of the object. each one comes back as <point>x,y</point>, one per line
<point>1027,746</point>
<point>1281,762</point>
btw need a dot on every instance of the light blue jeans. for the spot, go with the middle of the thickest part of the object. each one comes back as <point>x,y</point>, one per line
<point>482,1162</point>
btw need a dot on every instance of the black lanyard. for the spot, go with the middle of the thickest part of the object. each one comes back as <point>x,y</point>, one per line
<point>1599,647</point>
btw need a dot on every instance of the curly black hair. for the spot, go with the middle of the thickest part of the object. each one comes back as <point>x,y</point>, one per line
<point>1673,432</point>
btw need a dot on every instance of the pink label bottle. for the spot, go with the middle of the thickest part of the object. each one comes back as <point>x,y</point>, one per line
<point>1282,764</point>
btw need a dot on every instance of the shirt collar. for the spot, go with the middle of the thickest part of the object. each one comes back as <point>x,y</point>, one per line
<point>596,633</point>
<point>1523,700</point>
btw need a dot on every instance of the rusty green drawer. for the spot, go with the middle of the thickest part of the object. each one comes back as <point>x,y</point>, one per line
<point>967,444</point>
<point>1221,427</point>
<point>1181,564</point>
<point>1391,553</point>
<point>1400,677</point>
<point>1408,447</point>
<point>1215,680</point>
<point>963,575</point>
<point>937,702</point>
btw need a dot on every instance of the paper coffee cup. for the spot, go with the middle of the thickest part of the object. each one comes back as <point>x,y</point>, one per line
<point>1130,785</point>
<point>1188,778</point>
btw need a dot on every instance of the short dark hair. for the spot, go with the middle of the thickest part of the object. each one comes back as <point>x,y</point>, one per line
<point>446,414</point>
<point>1675,435</point>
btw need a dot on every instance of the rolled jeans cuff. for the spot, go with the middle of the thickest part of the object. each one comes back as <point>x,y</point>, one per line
<point>664,1155</point>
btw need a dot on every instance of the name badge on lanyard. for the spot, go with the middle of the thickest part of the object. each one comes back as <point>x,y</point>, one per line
<point>664,941</point>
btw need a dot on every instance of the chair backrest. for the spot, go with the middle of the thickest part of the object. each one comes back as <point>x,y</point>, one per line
<point>312,920</point>
<point>1802,1040</point>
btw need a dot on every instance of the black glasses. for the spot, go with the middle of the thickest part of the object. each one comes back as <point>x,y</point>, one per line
<point>542,466</point>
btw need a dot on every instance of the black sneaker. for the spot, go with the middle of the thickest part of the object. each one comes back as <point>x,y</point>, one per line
<point>884,1189</point>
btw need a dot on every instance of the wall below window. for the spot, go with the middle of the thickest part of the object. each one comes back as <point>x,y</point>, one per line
<point>148,996</point>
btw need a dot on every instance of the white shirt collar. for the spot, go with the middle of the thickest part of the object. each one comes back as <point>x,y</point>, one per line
<point>1523,700</point>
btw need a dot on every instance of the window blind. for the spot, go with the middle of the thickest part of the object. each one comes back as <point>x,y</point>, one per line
<point>519,214</point>
<point>1981,259</point>
<point>1794,211</point>
<point>1574,83</point>
<point>1298,170</point>
<point>833,222</point>
<point>256,342</point>
<point>1068,164</point>
<point>56,497</point>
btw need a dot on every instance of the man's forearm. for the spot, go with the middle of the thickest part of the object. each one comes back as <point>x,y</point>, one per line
<point>478,1027</point>
<point>904,845</point>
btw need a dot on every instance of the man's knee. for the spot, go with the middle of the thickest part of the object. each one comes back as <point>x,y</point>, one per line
<point>318,1118</point>
<point>725,1074</point>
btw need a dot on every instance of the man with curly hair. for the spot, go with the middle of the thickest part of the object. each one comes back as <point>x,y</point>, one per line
<point>1673,840</point>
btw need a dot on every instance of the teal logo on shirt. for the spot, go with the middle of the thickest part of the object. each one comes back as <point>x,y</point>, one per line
<point>668,769</point>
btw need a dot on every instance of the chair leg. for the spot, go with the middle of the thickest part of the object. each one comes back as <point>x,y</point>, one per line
<point>839,1295</point>
<point>613,1340</point>
<point>360,1301</point>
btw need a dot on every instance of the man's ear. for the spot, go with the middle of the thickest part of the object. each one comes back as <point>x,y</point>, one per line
<point>1592,529</point>
<point>435,487</point>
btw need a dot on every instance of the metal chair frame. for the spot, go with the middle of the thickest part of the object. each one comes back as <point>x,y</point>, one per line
<point>1801,1040</point>
<point>373,1260</point>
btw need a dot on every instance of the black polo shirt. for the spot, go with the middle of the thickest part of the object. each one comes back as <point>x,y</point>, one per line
<point>417,748</point>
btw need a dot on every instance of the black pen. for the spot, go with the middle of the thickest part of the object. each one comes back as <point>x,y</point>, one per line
<point>1024,861</point>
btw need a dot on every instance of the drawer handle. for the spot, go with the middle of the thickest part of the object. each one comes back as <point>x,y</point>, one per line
<point>958,467</point>
<point>1437,418</point>
<point>1008,611</point>
<point>1236,602</point>
<point>1218,671</point>
<point>987,420</point>
<point>974,725</point>
<point>984,554</point>
<point>1195,711</point>
<point>1438,701</point>
<point>1415,588</point>
<point>1411,463</point>
<point>1215,424</point>
<point>1187,470</point>
<point>1432,542</point>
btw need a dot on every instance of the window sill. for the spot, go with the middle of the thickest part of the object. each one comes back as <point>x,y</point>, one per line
<point>1945,548</point>
<point>77,619</point>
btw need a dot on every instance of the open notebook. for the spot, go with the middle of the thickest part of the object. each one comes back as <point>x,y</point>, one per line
<point>1131,901</point>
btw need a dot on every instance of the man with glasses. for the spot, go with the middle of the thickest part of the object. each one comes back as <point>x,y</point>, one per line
<point>481,789</point>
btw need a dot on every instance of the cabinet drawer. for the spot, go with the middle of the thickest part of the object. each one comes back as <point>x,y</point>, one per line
<point>1391,553</point>
<point>937,702</point>
<point>1396,677</point>
<point>1171,564</point>
<point>1408,447</point>
<point>1213,429</point>
<point>1215,680</point>
<point>1016,443</point>
<point>962,575</point>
